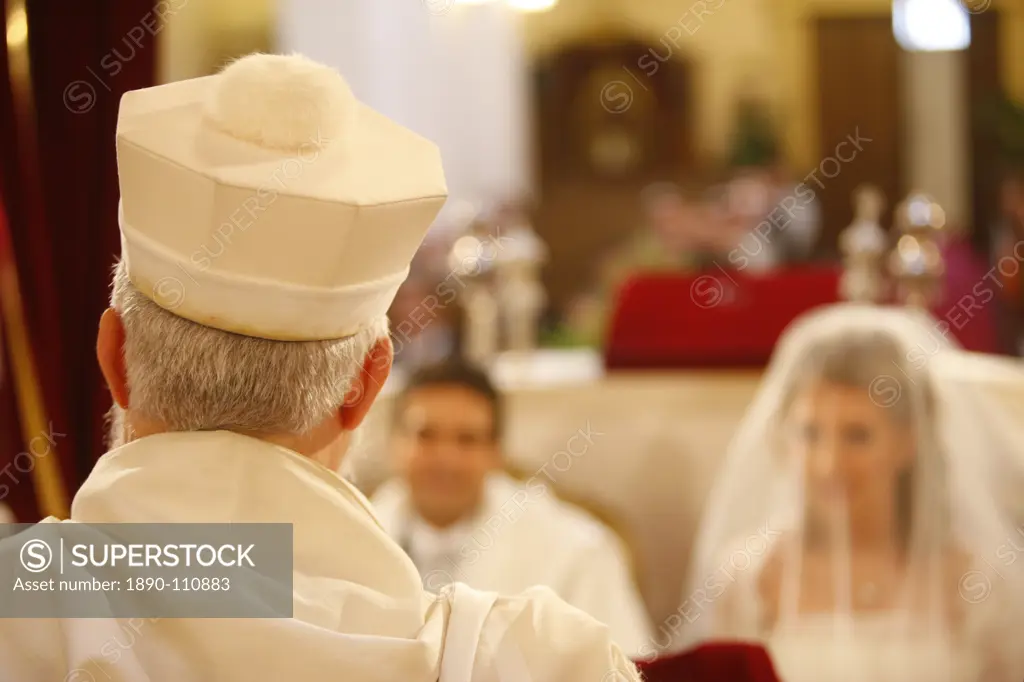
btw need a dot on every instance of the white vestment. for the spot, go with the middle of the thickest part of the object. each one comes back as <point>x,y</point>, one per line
<point>522,537</point>
<point>360,612</point>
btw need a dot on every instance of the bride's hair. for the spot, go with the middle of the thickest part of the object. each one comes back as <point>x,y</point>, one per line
<point>873,360</point>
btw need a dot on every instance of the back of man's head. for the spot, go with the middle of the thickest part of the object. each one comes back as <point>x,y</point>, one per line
<point>192,377</point>
<point>267,220</point>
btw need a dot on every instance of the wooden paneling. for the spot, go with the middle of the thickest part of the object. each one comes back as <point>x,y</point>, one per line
<point>984,80</point>
<point>610,118</point>
<point>859,85</point>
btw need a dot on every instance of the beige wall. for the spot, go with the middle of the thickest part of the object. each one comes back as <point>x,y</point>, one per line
<point>198,36</point>
<point>736,43</point>
<point>182,44</point>
<point>799,66</point>
<point>730,42</point>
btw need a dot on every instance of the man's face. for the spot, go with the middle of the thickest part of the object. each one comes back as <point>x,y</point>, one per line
<point>445,446</point>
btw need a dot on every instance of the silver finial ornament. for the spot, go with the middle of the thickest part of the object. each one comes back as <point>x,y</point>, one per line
<point>863,245</point>
<point>472,262</point>
<point>916,262</point>
<point>520,289</point>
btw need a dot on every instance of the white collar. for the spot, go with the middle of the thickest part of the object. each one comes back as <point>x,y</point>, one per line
<point>426,542</point>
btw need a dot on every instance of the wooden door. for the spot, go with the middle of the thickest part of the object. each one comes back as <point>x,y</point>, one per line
<point>984,84</point>
<point>610,118</point>
<point>860,95</point>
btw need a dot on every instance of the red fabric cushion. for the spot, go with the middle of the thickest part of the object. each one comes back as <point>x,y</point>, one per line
<point>726,319</point>
<point>714,662</point>
<point>717,319</point>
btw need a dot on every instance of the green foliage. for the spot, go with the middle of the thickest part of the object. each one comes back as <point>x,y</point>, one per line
<point>755,143</point>
<point>1002,120</point>
<point>563,336</point>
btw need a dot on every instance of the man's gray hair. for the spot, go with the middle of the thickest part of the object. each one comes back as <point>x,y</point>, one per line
<point>196,378</point>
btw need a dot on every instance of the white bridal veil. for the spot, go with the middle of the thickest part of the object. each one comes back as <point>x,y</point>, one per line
<point>858,521</point>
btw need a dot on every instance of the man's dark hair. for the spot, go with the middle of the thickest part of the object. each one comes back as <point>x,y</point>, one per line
<point>455,373</point>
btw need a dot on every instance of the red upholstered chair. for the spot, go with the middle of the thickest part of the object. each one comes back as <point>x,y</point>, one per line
<point>714,662</point>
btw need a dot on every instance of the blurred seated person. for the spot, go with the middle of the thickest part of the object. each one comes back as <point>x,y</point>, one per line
<point>772,220</point>
<point>758,221</point>
<point>775,217</point>
<point>801,226</point>
<point>461,519</point>
<point>673,238</point>
<point>682,234</point>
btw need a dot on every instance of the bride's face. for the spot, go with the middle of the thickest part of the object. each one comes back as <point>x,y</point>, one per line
<point>850,449</point>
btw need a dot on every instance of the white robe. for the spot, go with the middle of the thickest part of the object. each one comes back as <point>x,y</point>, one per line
<point>360,612</point>
<point>524,536</point>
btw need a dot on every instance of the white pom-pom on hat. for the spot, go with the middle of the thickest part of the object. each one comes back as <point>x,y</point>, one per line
<point>281,102</point>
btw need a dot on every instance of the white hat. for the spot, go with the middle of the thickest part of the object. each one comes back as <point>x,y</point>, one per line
<point>267,201</point>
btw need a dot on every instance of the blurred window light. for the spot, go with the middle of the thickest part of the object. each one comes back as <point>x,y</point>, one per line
<point>520,5</point>
<point>532,5</point>
<point>931,25</point>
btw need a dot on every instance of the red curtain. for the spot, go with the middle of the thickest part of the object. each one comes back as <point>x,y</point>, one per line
<point>59,184</point>
<point>17,491</point>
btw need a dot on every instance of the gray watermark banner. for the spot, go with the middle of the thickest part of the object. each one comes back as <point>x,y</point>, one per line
<point>146,570</point>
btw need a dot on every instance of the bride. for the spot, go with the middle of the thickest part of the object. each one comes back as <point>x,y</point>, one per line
<point>854,529</point>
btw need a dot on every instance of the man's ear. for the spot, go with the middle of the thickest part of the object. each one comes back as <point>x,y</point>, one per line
<point>110,353</point>
<point>367,385</point>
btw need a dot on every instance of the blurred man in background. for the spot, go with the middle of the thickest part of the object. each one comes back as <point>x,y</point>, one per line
<point>681,233</point>
<point>772,221</point>
<point>673,237</point>
<point>462,519</point>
